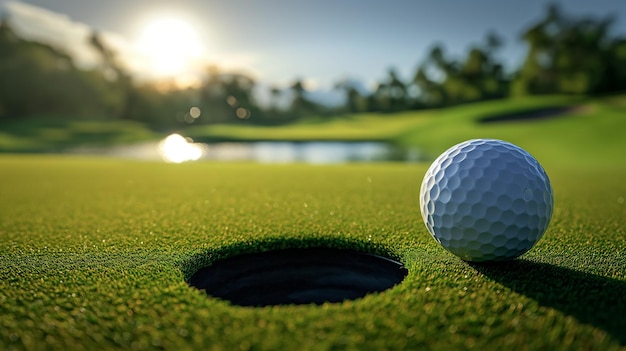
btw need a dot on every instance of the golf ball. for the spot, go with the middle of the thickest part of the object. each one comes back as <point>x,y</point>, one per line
<point>486,200</point>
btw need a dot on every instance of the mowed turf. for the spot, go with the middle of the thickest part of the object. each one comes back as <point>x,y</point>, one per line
<point>96,252</point>
<point>590,132</point>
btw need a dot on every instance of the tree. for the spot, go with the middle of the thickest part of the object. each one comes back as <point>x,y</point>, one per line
<point>228,97</point>
<point>391,95</point>
<point>479,76</point>
<point>354,101</point>
<point>275,93</point>
<point>28,69</point>
<point>431,92</point>
<point>570,55</point>
<point>614,65</point>
<point>301,106</point>
<point>121,80</point>
<point>396,91</point>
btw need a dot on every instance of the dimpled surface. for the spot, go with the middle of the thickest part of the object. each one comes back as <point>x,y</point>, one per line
<point>486,200</point>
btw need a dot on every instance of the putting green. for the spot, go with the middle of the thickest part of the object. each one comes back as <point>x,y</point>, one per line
<point>96,253</point>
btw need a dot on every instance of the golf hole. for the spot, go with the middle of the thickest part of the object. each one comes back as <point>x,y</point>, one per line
<point>298,276</point>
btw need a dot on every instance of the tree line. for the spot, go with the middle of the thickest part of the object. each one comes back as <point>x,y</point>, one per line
<point>565,55</point>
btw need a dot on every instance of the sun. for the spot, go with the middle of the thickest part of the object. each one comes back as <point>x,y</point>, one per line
<point>170,45</point>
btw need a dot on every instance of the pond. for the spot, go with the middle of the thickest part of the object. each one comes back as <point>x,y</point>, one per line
<point>176,149</point>
<point>309,152</point>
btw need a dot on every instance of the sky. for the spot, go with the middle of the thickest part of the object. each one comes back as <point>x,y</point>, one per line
<point>278,41</point>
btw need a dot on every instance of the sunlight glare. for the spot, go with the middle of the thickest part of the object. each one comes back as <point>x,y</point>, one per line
<point>175,148</point>
<point>171,45</point>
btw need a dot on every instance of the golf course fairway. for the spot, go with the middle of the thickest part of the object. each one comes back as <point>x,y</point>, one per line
<point>96,254</point>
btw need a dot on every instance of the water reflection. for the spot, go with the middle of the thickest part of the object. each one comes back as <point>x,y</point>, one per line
<point>308,152</point>
<point>176,149</point>
<point>320,152</point>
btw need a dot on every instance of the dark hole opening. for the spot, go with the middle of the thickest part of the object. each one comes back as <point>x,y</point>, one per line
<point>298,276</point>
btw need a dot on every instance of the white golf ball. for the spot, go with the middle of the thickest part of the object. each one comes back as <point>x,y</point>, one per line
<point>486,200</point>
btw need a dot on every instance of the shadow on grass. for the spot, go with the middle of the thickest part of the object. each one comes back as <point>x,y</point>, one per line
<point>534,114</point>
<point>591,299</point>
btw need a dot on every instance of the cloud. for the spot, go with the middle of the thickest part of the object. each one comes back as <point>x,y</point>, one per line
<point>39,24</point>
<point>59,30</point>
<point>36,23</point>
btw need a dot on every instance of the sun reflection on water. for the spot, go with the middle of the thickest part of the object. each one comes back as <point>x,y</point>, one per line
<point>176,149</point>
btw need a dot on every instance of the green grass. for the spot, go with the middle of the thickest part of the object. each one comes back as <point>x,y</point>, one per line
<point>95,254</point>
<point>591,134</point>
<point>366,126</point>
<point>57,134</point>
<point>371,126</point>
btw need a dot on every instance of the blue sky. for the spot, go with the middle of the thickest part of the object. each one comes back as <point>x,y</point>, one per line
<point>324,41</point>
